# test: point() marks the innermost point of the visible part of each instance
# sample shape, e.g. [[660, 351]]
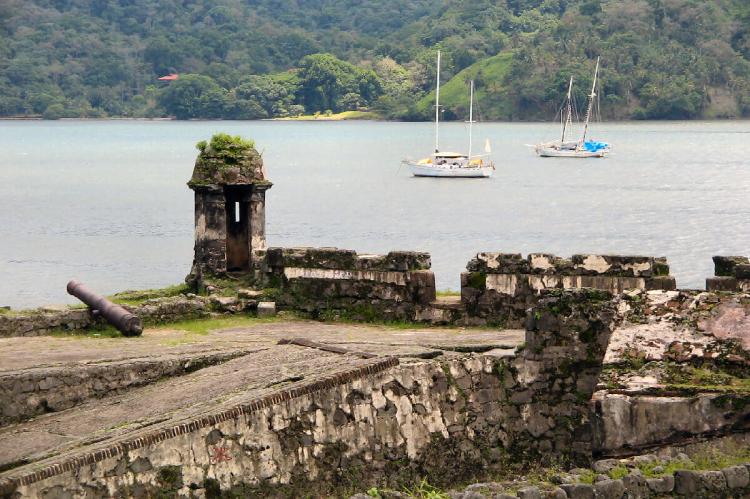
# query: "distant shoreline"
[[339, 118]]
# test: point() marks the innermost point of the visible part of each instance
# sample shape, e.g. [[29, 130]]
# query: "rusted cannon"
[[127, 323]]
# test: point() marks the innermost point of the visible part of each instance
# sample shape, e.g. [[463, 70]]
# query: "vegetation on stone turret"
[[225, 160], [261, 59]]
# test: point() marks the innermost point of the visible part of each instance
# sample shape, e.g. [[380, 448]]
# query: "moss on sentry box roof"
[[227, 160]]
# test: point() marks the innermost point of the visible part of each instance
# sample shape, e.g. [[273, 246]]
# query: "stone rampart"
[[382, 423], [731, 273], [498, 288], [333, 281]]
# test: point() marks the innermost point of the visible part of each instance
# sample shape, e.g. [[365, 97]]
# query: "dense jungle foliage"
[[249, 59]]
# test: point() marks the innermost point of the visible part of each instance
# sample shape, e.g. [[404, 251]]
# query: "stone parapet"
[[343, 259], [577, 265], [331, 281], [498, 287], [731, 273]]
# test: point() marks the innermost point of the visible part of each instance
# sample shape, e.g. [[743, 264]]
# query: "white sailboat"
[[580, 148], [452, 164]]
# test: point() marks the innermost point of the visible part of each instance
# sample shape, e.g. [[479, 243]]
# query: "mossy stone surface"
[[227, 160]]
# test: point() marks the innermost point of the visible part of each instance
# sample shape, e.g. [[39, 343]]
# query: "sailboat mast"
[[591, 103], [568, 111], [471, 114], [437, 104]]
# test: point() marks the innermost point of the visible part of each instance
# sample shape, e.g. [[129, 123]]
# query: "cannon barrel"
[[127, 323]]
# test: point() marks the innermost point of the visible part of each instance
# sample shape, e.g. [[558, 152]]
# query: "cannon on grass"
[[125, 322]]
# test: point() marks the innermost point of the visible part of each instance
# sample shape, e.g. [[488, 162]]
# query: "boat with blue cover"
[[581, 148]]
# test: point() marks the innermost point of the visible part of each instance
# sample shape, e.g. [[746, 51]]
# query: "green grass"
[[136, 298], [97, 333], [204, 326], [448, 292], [688, 377], [706, 460], [488, 75], [424, 490]]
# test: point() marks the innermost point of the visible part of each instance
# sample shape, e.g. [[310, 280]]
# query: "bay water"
[[106, 202]]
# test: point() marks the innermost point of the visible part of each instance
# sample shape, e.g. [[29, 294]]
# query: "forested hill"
[[247, 59]]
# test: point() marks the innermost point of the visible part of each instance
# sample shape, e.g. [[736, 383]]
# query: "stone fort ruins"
[[323, 407]]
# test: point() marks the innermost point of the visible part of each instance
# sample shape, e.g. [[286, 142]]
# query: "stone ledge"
[[31, 392], [577, 265], [343, 259], [37, 472]]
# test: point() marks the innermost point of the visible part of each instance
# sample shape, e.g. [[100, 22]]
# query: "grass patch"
[[448, 292], [488, 75], [102, 332], [136, 298], [689, 377], [424, 490], [204, 326]]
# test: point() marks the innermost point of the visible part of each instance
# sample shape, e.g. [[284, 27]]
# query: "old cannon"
[[127, 323]]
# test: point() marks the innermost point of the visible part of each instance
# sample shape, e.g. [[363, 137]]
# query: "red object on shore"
[[172, 77]]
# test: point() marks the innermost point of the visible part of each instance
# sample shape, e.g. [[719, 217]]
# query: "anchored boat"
[[575, 149], [452, 164]]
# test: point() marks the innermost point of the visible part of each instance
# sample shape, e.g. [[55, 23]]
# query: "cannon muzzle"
[[125, 322]]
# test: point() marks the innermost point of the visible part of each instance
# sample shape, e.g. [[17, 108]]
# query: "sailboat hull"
[[429, 170], [569, 153]]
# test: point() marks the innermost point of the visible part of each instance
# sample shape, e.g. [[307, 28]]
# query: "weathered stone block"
[[724, 265], [737, 477], [579, 490], [742, 271], [687, 483], [615, 265], [407, 260], [663, 283], [249, 294], [721, 284], [266, 309], [499, 263], [635, 484], [556, 493], [421, 284], [605, 465], [543, 263], [529, 493], [713, 481], [609, 489], [661, 485]]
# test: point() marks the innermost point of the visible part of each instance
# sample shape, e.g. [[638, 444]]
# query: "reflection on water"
[[106, 202]]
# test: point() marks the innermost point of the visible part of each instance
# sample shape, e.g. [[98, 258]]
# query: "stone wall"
[[29, 393], [626, 424], [383, 423], [731, 273], [47, 320], [498, 288], [333, 282]]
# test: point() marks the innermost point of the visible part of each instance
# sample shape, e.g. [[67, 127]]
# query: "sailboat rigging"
[[581, 148], [452, 164]]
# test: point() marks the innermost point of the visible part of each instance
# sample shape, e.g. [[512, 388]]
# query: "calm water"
[[106, 202]]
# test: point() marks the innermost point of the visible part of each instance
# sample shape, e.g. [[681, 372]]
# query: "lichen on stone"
[[227, 160]]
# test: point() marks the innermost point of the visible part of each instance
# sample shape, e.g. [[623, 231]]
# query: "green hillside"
[[490, 103], [249, 59]]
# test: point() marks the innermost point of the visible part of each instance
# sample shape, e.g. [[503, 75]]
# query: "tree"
[[194, 96], [325, 80]]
